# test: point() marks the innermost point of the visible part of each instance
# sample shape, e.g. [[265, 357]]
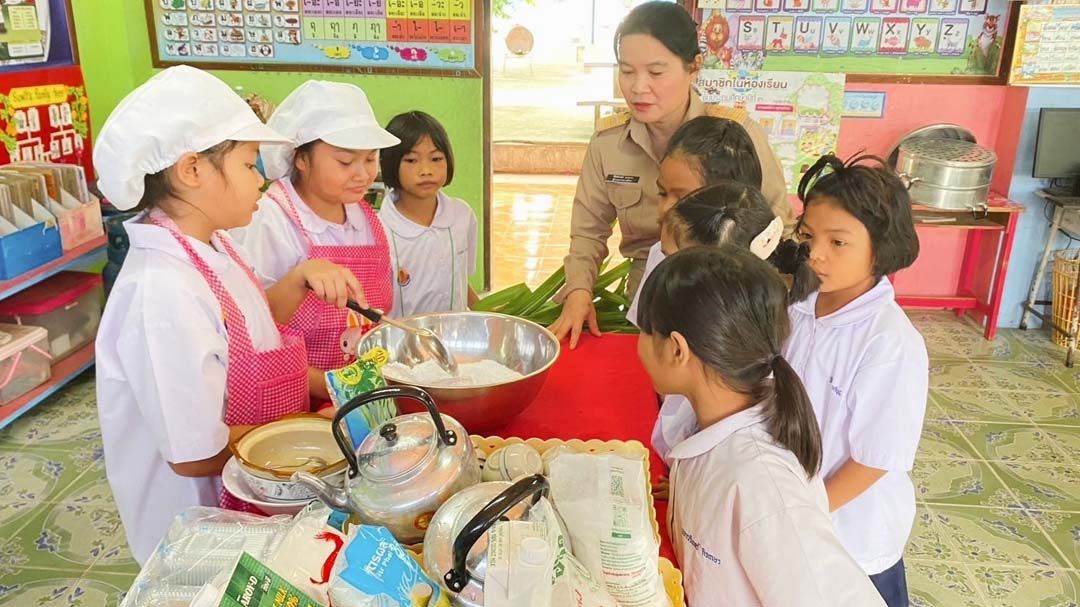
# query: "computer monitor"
[[1057, 146]]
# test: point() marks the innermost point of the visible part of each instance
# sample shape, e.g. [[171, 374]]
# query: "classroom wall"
[[114, 48], [1033, 224]]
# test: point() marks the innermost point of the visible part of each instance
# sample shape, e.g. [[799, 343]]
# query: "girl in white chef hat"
[[188, 353], [315, 210]]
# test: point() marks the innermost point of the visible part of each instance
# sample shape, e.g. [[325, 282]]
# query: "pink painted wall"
[[988, 111]]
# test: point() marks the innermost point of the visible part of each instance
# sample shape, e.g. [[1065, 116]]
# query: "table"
[[598, 391], [1065, 208], [984, 258]]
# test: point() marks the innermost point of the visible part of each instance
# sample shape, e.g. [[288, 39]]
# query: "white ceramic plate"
[[232, 477]]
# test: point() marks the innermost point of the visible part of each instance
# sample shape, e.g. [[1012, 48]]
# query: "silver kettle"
[[403, 470]]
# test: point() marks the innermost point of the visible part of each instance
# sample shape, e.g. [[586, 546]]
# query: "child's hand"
[[660, 489], [332, 283]]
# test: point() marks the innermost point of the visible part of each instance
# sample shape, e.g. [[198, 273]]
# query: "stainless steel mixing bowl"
[[521, 345]]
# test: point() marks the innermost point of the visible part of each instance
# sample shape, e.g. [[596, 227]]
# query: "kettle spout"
[[336, 498]]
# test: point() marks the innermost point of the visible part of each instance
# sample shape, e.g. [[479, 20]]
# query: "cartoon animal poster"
[[778, 34], [903, 37], [837, 36], [924, 34], [894, 35]]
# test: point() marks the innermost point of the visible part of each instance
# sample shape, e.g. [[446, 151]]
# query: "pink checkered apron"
[[260, 386], [320, 323]]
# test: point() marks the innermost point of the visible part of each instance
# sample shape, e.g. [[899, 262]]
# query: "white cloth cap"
[[180, 110], [334, 112]]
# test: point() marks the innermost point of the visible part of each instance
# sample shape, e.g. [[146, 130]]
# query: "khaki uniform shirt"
[[618, 182]]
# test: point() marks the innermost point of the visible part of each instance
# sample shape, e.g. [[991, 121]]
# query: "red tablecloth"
[[600, 390]]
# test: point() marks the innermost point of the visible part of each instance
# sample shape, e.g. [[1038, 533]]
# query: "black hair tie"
[[802, 254]]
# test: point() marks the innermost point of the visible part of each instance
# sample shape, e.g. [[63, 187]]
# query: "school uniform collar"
[[313, 224], [706, 439], [407, 228], [863, 307], [639, 133], [152, 237]]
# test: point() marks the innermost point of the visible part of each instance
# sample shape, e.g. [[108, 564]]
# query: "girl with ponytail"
[[864, 365], [727, 212], [748, 514]]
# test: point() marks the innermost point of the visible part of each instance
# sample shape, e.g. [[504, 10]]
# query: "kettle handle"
[[446, 437], [535, 485]]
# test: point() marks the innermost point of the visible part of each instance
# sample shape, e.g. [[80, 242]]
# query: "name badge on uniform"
[[612, 178]]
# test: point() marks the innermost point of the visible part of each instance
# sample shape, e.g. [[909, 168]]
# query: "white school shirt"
[[431, 264], [656, 255], [676, 420], [748, 527], [866, 370], [161, 357], [675, 423], [274, 244]]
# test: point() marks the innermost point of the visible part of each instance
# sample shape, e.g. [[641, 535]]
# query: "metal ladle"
[[427, 338]]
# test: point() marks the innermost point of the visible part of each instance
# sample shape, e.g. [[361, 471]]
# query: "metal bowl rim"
[[543, 331]]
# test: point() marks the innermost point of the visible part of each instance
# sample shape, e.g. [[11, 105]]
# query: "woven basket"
[[1065, 273]]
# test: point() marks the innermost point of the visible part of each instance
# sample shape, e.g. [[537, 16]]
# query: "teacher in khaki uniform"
[[659, 59]]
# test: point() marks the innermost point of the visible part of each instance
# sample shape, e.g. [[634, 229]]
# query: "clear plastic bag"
[[604, 500], [201, 544]]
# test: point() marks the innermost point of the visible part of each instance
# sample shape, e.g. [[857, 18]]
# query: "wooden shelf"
[[80, 255], [63, 372]]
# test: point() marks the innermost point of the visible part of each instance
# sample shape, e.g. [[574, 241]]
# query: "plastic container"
[[68, 305], [25, 362]]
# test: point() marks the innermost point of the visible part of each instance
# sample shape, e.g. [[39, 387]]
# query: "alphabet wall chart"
[[901, 37], [357, 35]]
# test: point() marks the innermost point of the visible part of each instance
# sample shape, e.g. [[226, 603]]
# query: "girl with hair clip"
[[748, 515], [864, 365], [724, 213], [703, 151]]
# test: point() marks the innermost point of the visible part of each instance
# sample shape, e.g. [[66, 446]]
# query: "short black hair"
[[668, 22], [869, 190], [410, 128], [721, 148]]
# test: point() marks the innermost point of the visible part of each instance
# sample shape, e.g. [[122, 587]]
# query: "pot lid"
[[931, 131], [398, 447], [951, 152]]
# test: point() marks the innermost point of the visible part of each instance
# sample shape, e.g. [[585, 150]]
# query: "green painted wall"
[[114, 49]]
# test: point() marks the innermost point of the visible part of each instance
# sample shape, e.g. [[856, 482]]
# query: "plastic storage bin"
[[68, 305], [24, 360]]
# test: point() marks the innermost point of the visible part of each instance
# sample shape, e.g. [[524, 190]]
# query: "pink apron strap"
[[279, 193], [235, 324]]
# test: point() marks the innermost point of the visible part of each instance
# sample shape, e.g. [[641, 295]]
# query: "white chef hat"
[[178, 111], [334, 112]]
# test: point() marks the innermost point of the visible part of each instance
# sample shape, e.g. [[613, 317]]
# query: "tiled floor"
[[998, 476], [530, 227]]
